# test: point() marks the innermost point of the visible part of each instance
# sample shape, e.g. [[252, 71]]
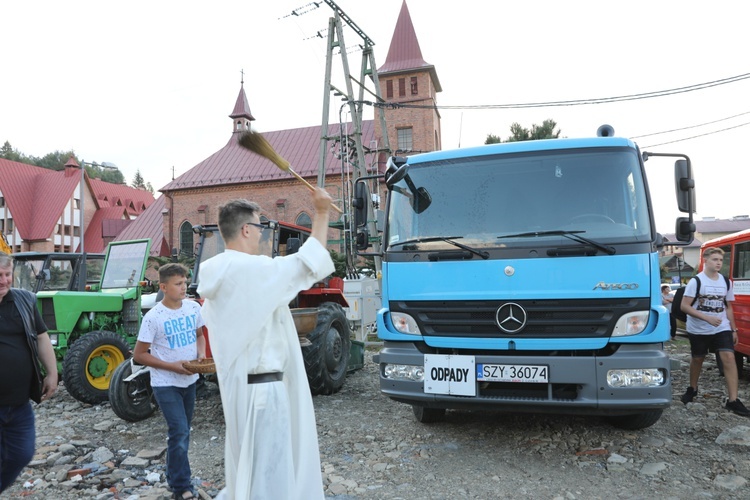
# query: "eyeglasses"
[[259, 226]]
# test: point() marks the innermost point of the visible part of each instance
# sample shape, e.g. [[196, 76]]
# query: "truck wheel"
[[739, 359], [89, 364], [636, 421], [328, 356], [133, 400], [428, 415]]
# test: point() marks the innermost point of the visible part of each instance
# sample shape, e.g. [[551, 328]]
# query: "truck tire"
[[90, 363], [326, 360], [426, 415], [133, 400], [739, 360], [636, 421]]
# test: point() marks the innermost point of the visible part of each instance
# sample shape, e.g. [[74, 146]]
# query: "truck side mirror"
[[684, 229], [359, 202], [292, 245], [363, 239], [684, 186]]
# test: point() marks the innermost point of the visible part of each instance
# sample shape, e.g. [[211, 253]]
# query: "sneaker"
[[737, 407], [689, 395]]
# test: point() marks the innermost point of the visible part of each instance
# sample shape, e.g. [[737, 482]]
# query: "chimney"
[[72, 167]]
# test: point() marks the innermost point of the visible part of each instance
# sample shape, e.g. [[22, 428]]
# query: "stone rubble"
[[372, 447]]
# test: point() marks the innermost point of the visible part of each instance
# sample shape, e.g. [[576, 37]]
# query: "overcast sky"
[[148, 85]]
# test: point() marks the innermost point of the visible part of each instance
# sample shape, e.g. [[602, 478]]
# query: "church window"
[[405, 139], [186, 239], [303, 220], [414, 90], [402, 87], [389, 89]]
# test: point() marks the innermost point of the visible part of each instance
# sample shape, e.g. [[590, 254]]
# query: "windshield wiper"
[[447, 239], [571, 235]]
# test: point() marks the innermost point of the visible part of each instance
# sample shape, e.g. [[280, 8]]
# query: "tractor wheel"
[[89, 364], [327, 358], [132, 400]]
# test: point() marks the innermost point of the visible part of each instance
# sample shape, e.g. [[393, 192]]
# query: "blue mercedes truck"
[[524, 277]]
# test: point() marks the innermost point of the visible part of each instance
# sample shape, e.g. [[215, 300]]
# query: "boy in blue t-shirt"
[[171, 334]]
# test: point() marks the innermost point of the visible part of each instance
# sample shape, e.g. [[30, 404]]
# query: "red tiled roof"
[[100, 228], [149, 224], [131, 199], [404, 54], [234, 164], [36, 197]]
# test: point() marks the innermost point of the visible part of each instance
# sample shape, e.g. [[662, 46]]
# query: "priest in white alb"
[[271, 449]]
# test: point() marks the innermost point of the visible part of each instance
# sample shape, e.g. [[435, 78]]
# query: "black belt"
[[262, 378]]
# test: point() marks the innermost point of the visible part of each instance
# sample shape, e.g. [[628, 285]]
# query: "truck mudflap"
[[592, 385]]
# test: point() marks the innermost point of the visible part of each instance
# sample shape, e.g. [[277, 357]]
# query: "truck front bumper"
[[576, 384]]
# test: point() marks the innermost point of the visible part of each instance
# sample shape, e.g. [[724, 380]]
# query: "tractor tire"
[[90, 363], [133, 400], [326, 360]]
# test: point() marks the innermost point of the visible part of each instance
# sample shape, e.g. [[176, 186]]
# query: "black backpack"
[[677, 311]]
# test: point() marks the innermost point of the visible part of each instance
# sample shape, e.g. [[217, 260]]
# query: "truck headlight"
[[631, 323], [404, 372], [635, 378], [404, 323]]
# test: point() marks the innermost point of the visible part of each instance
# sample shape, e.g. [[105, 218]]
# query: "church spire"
[[241, 116], [404, 54]]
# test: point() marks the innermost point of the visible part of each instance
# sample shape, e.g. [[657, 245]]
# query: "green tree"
[[11, 154], [544, 131], [57, 161], [54, 161], [493, 139], [138, 180]]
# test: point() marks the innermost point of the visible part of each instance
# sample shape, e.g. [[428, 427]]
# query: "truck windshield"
[[492, 201]]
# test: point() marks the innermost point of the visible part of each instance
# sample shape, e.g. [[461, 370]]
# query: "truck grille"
[[544, 318]]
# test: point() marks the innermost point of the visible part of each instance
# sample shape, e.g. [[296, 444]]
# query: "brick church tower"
[[406, 78]]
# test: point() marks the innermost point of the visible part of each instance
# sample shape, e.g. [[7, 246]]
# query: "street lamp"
[[679, 269]]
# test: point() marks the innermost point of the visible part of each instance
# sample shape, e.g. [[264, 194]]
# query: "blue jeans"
[[177, 404], [17, 437]]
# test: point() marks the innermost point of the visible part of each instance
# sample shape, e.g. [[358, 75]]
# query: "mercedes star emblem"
[[510, 317]]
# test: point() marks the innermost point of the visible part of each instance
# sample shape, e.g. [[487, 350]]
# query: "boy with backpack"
[[710, 324]]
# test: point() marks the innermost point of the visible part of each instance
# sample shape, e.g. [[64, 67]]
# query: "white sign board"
[[449, 374]]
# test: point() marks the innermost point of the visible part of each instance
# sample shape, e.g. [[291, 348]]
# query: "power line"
[[696, 136], [691, 126], [581, 102]]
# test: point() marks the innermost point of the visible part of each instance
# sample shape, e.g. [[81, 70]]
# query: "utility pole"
[[356, 156]]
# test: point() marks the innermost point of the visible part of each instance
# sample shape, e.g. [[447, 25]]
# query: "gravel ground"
[[372, 447]]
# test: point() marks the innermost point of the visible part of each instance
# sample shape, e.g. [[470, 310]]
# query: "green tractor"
[[93, 332]]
